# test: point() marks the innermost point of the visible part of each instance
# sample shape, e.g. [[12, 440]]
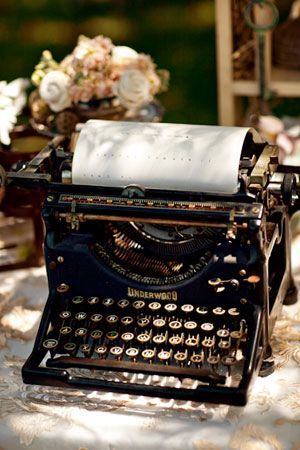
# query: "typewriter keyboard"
[[201, 342]]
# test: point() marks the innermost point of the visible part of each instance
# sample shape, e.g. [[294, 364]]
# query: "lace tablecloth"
[[40, 417]]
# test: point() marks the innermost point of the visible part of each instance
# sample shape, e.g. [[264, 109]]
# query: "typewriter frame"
[[246, 209]]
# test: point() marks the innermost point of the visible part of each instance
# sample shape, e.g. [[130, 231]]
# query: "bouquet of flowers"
[[96, 72]]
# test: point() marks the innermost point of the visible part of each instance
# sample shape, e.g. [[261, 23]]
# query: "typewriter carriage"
[[148, 245]]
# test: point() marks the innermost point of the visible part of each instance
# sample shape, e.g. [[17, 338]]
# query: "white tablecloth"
[[40, 417]]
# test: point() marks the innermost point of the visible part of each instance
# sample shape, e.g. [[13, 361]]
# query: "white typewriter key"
[[180, 356], [213, 360], [101, 350], [143, 337], [96, 334], [197, 358], [127, 337], [116, 351], [159, 323], [237, 334], [228, 361], [224, 345], [80, 316], [175, 324], [138, 304], [132, 352], [81, 332], [208, 342], [77, 300], [187, 308], [192, 342], [112, 335], [108, 302], [96, 318], [127, 320], [143, 322], [50, 344], [148, 354], [65, 330], [207, 326], [154, 306], [233, 312], [202, 310], [190, 325], [93, 300], [223, 333], [112, 319], [159, 339], [176, 340], [170, 307], [164, 355], [219, 311], [123, 303], [85, 349], [65, 314]]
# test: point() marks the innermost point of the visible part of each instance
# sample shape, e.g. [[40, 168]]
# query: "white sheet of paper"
[[178, 157]]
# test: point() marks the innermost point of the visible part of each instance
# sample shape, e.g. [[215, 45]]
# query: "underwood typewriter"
[[168, 259]]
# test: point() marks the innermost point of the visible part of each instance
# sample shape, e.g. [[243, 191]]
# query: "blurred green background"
[[178, 34]]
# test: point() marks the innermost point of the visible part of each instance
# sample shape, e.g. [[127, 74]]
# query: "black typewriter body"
[[160, 293]]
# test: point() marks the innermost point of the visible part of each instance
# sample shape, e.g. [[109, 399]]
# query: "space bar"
[[204, 375]]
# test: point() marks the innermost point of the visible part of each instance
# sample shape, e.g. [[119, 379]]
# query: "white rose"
[[54, 90], [122, 55], [133, 89]]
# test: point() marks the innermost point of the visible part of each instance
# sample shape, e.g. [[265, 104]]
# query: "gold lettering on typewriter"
[[138, 293]]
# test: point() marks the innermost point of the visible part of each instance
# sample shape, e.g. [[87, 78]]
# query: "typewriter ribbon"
[[167, 254]]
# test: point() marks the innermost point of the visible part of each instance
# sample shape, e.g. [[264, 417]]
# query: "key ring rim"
[[261, 28]]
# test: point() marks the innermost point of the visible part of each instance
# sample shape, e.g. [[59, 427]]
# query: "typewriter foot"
[[291, 296], [268, 364]]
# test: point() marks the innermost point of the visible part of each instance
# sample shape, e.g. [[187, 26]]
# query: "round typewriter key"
[[214, 281], [65, 314], [197, 358], [93, 300], [77, 300], [159, 323], [213, 360], [138, 304], [143, 322], [96, 334], [164, 355], [116, 351], [207, 326], [190, 325], [154, 306], [224, 345], [202, 310], [180, 356], [127, 337], [159, 339], [85, 349], [175, 340], [132, 352], [234, 312], [228, 361], [187, 308], [175, 324], [223, 333], [112, 319], [127, 320], [108, 302], [192, 342], [81, 332], [148, 353], [143, 337], [237, 334], [70, 347], [208, 342], [80, 316], [50, 344], [96, 318], [219, 311], [101, 350], [123, 303], [170, 307], [65, 330], [112, 335]]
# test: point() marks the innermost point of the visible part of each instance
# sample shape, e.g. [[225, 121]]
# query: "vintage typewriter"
[[168, 259]]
